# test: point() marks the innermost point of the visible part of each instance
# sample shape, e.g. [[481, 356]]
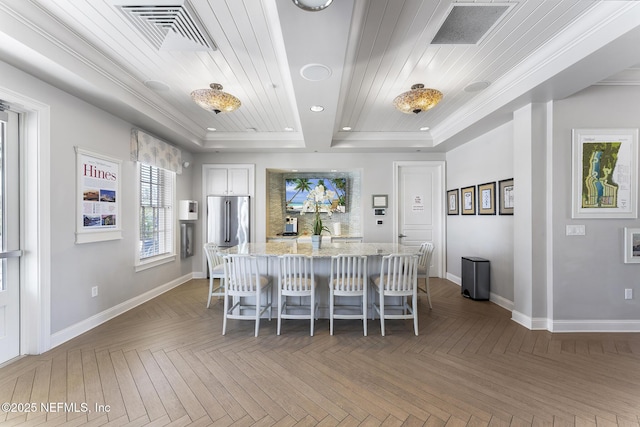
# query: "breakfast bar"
[[268, 253], [327, 250]]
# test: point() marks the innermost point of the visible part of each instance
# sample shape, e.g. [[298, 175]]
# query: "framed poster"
[[98, 197], [452, 202], [505, 196], [468, 200], [604, 172], [487, 199], [631, 245]]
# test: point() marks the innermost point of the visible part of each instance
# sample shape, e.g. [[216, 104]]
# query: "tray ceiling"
[[140, 60]]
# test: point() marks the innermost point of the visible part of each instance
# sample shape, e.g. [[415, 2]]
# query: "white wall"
[[589, 275], [109, 265], [488, 158]]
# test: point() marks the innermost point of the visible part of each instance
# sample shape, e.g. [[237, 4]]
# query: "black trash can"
[[475, 278]]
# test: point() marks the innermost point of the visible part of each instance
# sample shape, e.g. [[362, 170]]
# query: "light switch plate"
[[575, 230]]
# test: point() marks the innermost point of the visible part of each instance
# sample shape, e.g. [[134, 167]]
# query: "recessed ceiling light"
[[288, 129], [317, 108], [294, 170], [425, 128], [346, 128], [334, 170], [212, 129], [476, 86]]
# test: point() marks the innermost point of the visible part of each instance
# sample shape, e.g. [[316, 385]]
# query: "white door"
[[9, 238], [419, 207]]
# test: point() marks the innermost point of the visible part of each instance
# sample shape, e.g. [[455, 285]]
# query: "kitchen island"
[[268, 253], [275, 249]]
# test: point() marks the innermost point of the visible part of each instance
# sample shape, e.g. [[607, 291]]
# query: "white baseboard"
[[494, 298], [455, 279], [559, 326], [544, 324], [502, 302], [93, 321], [595, 326], [532, 323], [199, 274]]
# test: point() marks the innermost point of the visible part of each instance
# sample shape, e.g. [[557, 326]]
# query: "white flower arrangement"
[[318, 199]]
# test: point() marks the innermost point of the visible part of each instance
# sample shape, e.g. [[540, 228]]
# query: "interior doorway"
[[29, 126], [9, 236], [419, 208]]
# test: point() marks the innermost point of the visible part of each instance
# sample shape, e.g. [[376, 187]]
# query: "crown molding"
[[602, 25]]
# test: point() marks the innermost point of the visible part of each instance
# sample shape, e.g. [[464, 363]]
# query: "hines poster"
[[99, 197]]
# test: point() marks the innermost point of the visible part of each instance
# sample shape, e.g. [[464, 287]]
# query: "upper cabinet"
[[229, 180]]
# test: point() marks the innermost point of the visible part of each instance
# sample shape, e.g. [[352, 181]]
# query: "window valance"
[[154, 152]]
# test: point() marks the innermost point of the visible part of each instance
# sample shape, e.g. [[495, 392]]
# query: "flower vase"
[[316, 240]]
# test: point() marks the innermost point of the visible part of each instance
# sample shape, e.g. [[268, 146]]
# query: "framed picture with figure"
[[468, 200], [505, 195], [487, 199], [452, 202]]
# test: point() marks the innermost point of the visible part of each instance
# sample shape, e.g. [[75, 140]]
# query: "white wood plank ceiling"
[[373, 51]]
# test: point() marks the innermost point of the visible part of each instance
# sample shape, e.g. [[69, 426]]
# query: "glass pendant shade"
[[215, 99], [417, 99], [312, 5]]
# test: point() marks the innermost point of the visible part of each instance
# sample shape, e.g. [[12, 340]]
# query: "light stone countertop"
[[274, 249]]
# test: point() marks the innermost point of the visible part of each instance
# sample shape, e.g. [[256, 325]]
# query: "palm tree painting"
[[297, 190], [339, 185], [296, 193]]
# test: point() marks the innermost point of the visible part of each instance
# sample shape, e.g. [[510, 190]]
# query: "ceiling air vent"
[[469, 23], [169, 27]]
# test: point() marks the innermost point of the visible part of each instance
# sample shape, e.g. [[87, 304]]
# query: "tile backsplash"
[[276, 213]]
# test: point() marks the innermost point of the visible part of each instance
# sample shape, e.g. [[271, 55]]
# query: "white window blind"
[[156, 211]]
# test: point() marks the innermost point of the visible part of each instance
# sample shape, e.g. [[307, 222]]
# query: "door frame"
[[35, 224], [439, 193]]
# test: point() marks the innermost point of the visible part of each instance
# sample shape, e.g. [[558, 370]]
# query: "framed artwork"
[[379, 201], [604, 173], [468, 200], [632, 245], [505, 196], [452, 202], [487, 199], [98, 197]]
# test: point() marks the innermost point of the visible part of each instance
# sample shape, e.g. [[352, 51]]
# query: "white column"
[[530, 219]]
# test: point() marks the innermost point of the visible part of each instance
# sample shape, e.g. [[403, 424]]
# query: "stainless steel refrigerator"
[[228, 220]]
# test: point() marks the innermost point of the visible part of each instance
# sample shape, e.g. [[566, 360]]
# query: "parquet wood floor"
[[166, 363]]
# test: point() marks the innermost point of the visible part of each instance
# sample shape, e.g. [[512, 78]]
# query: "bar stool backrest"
[[399, 273]]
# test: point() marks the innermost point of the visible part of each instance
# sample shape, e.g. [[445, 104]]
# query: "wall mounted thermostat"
[[379, 211]]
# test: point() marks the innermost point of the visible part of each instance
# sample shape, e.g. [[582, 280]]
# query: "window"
[[156, 213]]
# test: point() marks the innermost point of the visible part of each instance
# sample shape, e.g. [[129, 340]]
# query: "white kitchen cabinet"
[[229, 180]]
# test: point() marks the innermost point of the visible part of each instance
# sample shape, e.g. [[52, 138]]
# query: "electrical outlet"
[[575, 230], [94, 292], [628, 294]]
